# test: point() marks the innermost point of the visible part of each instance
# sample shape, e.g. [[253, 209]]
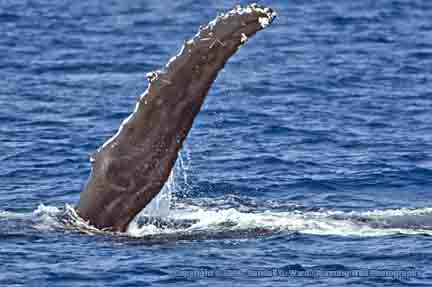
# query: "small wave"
[[337, 223], [190, 221]]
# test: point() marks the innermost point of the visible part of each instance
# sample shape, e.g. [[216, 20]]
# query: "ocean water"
[[310, 163]]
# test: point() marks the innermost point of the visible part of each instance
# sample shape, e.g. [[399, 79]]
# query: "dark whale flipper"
[[130, 169]]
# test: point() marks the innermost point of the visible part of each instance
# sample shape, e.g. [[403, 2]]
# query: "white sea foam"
[[317, 223], [229, 220], [163, 217], [203, 219]]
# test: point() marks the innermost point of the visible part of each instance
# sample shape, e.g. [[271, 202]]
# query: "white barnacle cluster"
[[242, 10], [270, 15], [264, 21], [204, 34], [243, 38], [158, 75], [152, 76]]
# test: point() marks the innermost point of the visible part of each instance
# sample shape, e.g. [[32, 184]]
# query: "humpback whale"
[[131, 168]]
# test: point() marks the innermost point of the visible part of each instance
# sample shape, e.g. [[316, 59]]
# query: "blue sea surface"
[[310, 163]]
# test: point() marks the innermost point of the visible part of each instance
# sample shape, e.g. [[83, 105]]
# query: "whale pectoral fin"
[[130, 169]]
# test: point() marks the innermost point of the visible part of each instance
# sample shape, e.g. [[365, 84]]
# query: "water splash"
[[168, 216], [177, 183], [194, 221], [338, 223]]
